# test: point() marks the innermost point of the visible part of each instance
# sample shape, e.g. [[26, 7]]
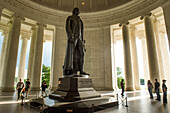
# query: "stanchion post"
[[126, 103], [92, 108]]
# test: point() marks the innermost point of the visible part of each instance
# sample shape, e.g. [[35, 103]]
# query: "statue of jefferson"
[[74, 58]]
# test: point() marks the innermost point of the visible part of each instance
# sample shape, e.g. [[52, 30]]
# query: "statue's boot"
[[83, 73]]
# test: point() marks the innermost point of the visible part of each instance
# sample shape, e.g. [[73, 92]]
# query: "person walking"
[[44, 86], [157, 91], [150, 86], [123, 87], [20, 86], [164, 89], [27, 86]]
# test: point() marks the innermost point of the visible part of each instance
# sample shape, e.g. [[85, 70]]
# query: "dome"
[[84, 5]]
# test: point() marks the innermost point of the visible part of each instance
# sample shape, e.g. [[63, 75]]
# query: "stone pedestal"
[[74, 88]]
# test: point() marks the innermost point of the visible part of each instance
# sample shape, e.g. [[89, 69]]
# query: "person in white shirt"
[[20, 86]]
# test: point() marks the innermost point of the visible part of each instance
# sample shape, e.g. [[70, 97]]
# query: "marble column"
[[11, 54], [166, 11], [58, 55], [31, 53], [3, 50], [134, 58], [37, 60], [129, 82], [159, 53], [55, 57], [151, 47], [145, 61], [165, 57], [22, 62], [113, 42], [107, 58]]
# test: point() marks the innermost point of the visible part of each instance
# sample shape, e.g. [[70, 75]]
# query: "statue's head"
[[76, 11]]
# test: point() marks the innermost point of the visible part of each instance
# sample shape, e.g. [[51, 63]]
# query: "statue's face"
[[76, 11]]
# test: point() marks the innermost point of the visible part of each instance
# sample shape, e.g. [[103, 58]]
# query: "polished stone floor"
[[138, 102]]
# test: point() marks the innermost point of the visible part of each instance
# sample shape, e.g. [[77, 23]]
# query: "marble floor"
[[138, 102]]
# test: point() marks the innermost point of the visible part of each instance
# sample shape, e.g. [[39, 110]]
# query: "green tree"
[[46, 74], [119, 78], [119, 71]]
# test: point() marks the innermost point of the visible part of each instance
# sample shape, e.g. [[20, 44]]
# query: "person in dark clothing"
[[20, 86], [164, 89], [123, 87], [44, 86], [150, 86], [157, 85], [27, 86]]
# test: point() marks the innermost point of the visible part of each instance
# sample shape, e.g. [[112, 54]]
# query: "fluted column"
[[11, 54], [107, 58], [134, 58], [151, 47], [166, 11], [113, 42], [31, 53], [145, 61], [22, 62], [54, 60], [37, 60], [129, 85], [159, 53], [58, 55], [3, 50]]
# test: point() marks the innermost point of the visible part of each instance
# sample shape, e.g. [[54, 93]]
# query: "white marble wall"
[[97, 63]]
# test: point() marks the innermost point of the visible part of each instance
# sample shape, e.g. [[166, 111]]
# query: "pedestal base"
[[74, 88], [81, 106]]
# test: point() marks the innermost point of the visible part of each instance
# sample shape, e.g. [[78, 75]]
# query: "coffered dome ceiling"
[[84, 5]]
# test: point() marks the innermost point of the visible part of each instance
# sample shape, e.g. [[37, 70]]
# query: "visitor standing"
[[27, 86], [164, 88], [44, 86], [123, 87], [150, 86], [20, 86], [157, 85]]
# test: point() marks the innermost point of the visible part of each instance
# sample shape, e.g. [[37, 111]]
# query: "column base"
[[35, 89], [7, 89], [138, 88], [129, 89]]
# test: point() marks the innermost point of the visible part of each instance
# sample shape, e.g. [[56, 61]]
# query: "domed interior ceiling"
[[84, 5]]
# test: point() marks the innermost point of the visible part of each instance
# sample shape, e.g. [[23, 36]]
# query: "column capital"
[[147, 14], [18, 16], [4, 32], [123, 23], [41, 24], [33, 27], [140, 34], [133, 27], [25, 35]]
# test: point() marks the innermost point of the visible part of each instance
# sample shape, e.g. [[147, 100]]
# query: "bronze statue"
[[74, 58]]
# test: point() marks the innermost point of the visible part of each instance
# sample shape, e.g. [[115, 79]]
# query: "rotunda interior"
[[131, 34]]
